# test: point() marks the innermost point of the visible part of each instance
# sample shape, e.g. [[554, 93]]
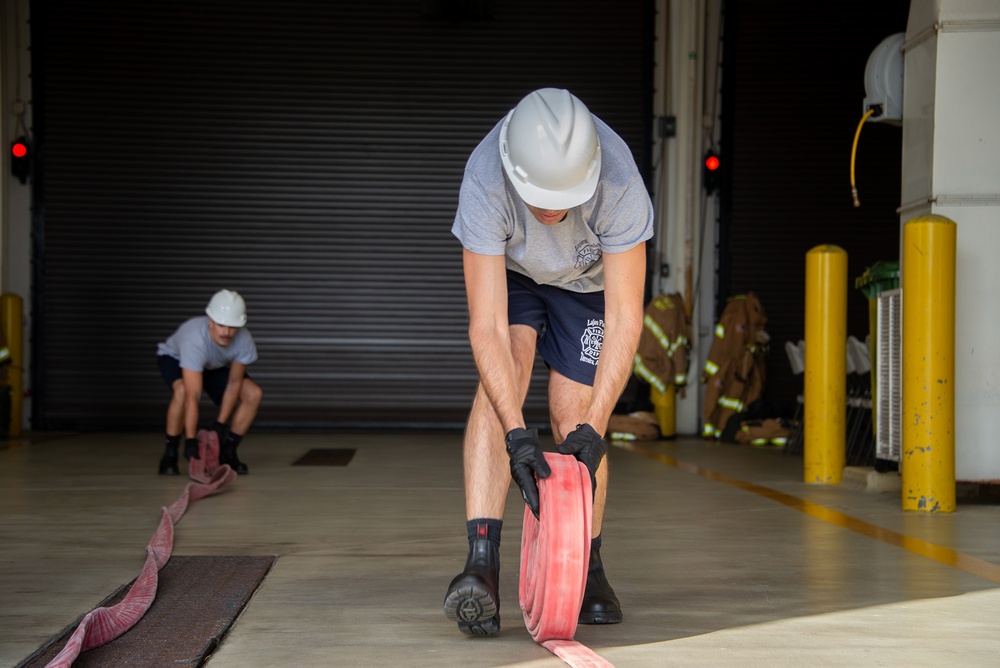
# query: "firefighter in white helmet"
[[553, 217], [210, 354]]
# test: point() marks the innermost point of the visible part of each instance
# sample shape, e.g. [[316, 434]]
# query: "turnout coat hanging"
[[734, 372], [662, 356]]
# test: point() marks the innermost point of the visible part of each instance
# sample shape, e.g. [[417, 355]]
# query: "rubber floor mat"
[[197, 600], [326, 457]]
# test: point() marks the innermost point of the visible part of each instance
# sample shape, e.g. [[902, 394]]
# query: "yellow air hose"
[[854, 152]]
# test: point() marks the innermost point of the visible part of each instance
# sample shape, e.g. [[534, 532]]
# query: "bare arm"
[[237, 372], [624, 279], [489, 334], [193, 383]]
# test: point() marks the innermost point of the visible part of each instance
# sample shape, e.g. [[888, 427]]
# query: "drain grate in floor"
[[326, 457]]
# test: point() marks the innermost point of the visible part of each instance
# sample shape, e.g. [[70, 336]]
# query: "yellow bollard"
[[928, 458], [825, 410], [664, 404], [12, 323]]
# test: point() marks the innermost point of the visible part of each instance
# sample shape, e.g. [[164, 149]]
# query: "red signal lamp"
[[711, 173], [20, 159]]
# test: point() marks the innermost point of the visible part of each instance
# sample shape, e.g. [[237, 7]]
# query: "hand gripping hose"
[[206, 466], [555, 555], [103, 625]]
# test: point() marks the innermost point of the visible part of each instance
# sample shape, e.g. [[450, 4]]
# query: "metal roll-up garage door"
[[307, 154]]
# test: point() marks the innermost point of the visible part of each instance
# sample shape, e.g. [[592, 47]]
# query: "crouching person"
[[210, 353]]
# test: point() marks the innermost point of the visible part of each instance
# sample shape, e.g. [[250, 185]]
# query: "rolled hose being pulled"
[[555, 555]]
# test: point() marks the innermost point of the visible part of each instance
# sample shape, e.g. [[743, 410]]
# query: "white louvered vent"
[[889, 432]]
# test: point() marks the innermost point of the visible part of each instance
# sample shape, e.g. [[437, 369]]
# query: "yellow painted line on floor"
[[939, 553]]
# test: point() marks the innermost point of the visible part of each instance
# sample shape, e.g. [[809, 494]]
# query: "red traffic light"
[[20, 159], [711, 173]]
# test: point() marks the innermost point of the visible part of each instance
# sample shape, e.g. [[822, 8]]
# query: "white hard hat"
[[227, 308], [550, 150]]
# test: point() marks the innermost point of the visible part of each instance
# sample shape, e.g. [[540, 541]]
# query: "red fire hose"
[[103, 625], [555, 555]]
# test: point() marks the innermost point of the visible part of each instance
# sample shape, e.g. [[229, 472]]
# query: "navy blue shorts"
[[570, 325], [213, 381]]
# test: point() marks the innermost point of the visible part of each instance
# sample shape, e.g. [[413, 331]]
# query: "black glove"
[[588, 447], [221, 429], [191, 449], [527, 461]]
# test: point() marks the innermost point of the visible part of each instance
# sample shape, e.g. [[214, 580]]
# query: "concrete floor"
[[720, 554]]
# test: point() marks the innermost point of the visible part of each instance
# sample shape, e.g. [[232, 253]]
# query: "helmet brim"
[[556, 200], [239, 323]]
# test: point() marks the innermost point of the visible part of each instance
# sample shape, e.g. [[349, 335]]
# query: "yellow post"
[[664, 407], [12, 323], [928, 458], [825, 410]]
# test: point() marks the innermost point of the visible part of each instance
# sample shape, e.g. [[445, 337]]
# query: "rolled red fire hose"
[[555, 555]]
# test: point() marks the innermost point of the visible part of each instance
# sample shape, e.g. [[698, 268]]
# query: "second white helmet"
[[550, 150], [227, 308]]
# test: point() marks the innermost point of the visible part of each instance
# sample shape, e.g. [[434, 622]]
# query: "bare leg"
[[175, 411], [568, 403], [175, 429], [246, 410], [487, 467], [473, 599]]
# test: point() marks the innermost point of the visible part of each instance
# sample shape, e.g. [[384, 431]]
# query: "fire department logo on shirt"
[[591, 342], [587, 254]]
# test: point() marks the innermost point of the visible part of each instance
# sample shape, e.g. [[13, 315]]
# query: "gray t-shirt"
[[194, 349], [493, 220]]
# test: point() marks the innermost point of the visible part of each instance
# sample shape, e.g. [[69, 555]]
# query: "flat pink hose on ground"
[[103, 625], [555, 555]]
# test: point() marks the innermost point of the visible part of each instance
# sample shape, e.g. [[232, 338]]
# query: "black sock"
[[233, 440], [485, 528], [595, 543], [172, 443]]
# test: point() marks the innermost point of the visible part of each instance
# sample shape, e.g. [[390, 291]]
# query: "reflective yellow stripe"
[[681, 341], [720, 331], [731, 402], [711, 368], [643, 372], [622, 436], [711, 430], [657, 332]]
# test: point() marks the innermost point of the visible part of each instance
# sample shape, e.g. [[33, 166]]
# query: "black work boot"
[[168, 463], [227, 455], [600, 605], [472, 599], [191, 449]]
